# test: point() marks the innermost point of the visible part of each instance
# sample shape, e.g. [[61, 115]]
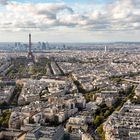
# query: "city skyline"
[[70, 20], [70, 69]]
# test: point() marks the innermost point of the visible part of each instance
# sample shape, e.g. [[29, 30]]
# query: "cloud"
[[116, 16], [4, 2]]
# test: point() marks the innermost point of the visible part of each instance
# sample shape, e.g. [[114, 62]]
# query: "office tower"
[[105, 49]]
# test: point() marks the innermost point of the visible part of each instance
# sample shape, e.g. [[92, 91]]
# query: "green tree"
[[107, 113], [98, 120], [100, 131], [4, 118]]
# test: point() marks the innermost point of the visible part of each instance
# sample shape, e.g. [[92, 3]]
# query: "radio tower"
[[30, 54]]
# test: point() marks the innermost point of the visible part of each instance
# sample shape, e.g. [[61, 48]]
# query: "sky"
[[70, 20]]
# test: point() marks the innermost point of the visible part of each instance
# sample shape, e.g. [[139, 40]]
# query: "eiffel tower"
[[30, 54]]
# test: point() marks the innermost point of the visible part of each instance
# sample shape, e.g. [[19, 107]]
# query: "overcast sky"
[[70, 20]]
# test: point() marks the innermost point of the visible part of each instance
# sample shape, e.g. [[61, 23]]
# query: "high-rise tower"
[[30, 54], [105, 49]]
